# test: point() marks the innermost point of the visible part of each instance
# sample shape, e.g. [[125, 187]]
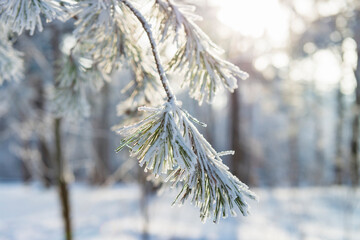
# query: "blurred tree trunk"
[[338, 168], [294, 171], [354, 164], [61, 180], [59, 162], [26, 173], [47, 170], [318, 137], [293, 113], [238, 163], [24, 162], [210, 129], [294, 120], [293, 117], [240, 119], [144, 201], [101, 140]]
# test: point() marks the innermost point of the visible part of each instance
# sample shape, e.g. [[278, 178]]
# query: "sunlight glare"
[[327, 71], [255, 18], [67, 44]]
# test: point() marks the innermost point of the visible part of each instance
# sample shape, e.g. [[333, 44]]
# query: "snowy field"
[[32, 213]]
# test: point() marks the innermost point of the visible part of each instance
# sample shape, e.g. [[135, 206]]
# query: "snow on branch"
[[106, 34], [213, 188], [157, 141], [22, 15], [77, 74], [205, 70], [168, 144], [99, 32]]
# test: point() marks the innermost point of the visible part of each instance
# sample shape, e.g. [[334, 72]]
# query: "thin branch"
[[159, 66]]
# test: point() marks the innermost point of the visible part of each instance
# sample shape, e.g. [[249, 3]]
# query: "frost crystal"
[[157, 141], [168, 144], [99, 32], [212, 187], [22, 15]]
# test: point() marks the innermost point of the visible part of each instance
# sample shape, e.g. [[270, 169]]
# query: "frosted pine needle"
[[22, 15], [212, 187], [99, 32], [205, 71], [69, 96], [157, 141], [168, 144], [94, 14]]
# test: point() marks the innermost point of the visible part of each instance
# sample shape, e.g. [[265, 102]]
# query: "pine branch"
[[144, 86], [205, 70], [157, 141], [159, 66], [213, 188], [105, 35], [169, 145], [99, 33], [69, 97], [22, 15]]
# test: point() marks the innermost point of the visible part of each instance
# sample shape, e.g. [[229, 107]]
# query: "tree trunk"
[[47, 170], [26, 172], [210, 129], [145, 192], [238, 164], [59, 162], [318, 138], [354, 148], [39, 103], [294, 165], [338, 168], [101, 140], [61, 180]]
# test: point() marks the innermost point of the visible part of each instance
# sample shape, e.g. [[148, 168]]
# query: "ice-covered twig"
[[159, 66]]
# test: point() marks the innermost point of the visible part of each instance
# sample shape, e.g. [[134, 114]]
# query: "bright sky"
[[269, 20], [255, 18]]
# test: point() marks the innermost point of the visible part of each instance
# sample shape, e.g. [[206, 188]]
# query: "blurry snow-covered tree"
[[108, 35], [11, 64]]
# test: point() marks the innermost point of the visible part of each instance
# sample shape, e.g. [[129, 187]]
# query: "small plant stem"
[[159, 66]]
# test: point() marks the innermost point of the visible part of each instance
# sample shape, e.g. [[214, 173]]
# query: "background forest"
[[294, 126]]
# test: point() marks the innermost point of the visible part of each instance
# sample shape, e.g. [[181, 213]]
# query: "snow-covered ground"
[[32, 213]]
